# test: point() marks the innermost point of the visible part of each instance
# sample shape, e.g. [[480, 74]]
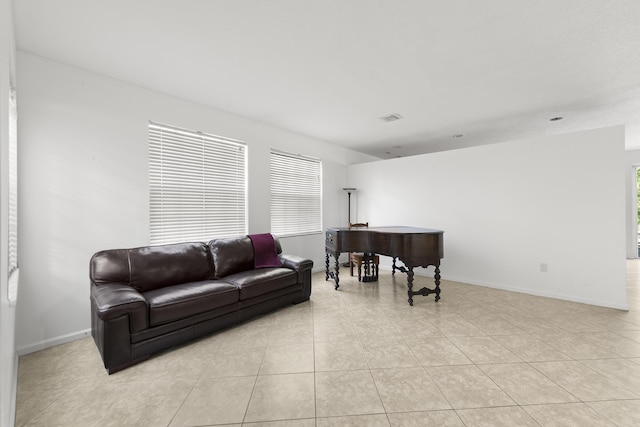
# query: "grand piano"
[[415, 247]]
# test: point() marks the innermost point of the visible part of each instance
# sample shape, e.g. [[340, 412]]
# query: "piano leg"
[[326, 263], [410, 285], [331, 274], [424, 291], [436, 276], [400, 268]]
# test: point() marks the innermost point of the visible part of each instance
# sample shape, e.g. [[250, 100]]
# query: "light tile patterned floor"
[[362, 356]]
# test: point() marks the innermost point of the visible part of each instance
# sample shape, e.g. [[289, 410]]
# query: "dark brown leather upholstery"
[[254, 283], [110, 266], [155, 267], [231, 255], [148, 299], [184, 300], [119, 299]]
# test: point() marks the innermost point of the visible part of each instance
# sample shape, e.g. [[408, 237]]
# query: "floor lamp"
[[349, 190]]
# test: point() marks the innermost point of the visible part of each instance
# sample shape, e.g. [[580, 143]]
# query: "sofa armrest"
[[112, 300], [302, 267], [296, 263]]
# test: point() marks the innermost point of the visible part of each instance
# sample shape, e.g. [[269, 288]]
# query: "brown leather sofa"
[[147, 299]]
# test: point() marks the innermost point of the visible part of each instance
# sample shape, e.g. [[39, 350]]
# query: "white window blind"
[[12, 289], [197, 184], [296, 194]]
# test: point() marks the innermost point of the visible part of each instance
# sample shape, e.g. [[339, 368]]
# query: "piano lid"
[[397, 229]]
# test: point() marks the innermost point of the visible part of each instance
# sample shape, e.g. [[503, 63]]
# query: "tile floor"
[[363, 357]]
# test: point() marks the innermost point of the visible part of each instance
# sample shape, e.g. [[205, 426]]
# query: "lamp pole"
[[349, 190]]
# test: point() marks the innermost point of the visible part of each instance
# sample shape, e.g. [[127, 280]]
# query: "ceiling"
[[491, 70]]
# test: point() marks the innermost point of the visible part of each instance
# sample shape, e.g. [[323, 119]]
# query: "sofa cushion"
[[234, 255], [259, 282], [110, 266], [231, 255], [154, 267], [187, 299]]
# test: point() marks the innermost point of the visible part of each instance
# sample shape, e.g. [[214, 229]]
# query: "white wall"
[[8, 356], [84, 184], [506, 208]]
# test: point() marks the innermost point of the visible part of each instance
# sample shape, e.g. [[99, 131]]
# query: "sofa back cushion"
[[154, 267], [234, 255], [231, 255], [110, 266]]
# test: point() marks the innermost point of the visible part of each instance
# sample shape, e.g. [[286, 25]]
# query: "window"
[[197, 185], [12, 289], [296, 194]]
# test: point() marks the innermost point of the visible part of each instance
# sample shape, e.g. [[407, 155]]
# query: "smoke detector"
[[391, 117]]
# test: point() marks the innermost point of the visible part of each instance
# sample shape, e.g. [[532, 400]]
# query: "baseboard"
[[563, 297], [52, 342], [14, 392], [599, 303], [428, 272]]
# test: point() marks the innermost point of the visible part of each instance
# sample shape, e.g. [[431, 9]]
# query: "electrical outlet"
[[544, 267]]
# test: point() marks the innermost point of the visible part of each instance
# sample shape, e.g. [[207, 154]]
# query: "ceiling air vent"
[[391, 117]]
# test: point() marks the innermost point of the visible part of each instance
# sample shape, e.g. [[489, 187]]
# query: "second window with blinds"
[[296, 194]]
